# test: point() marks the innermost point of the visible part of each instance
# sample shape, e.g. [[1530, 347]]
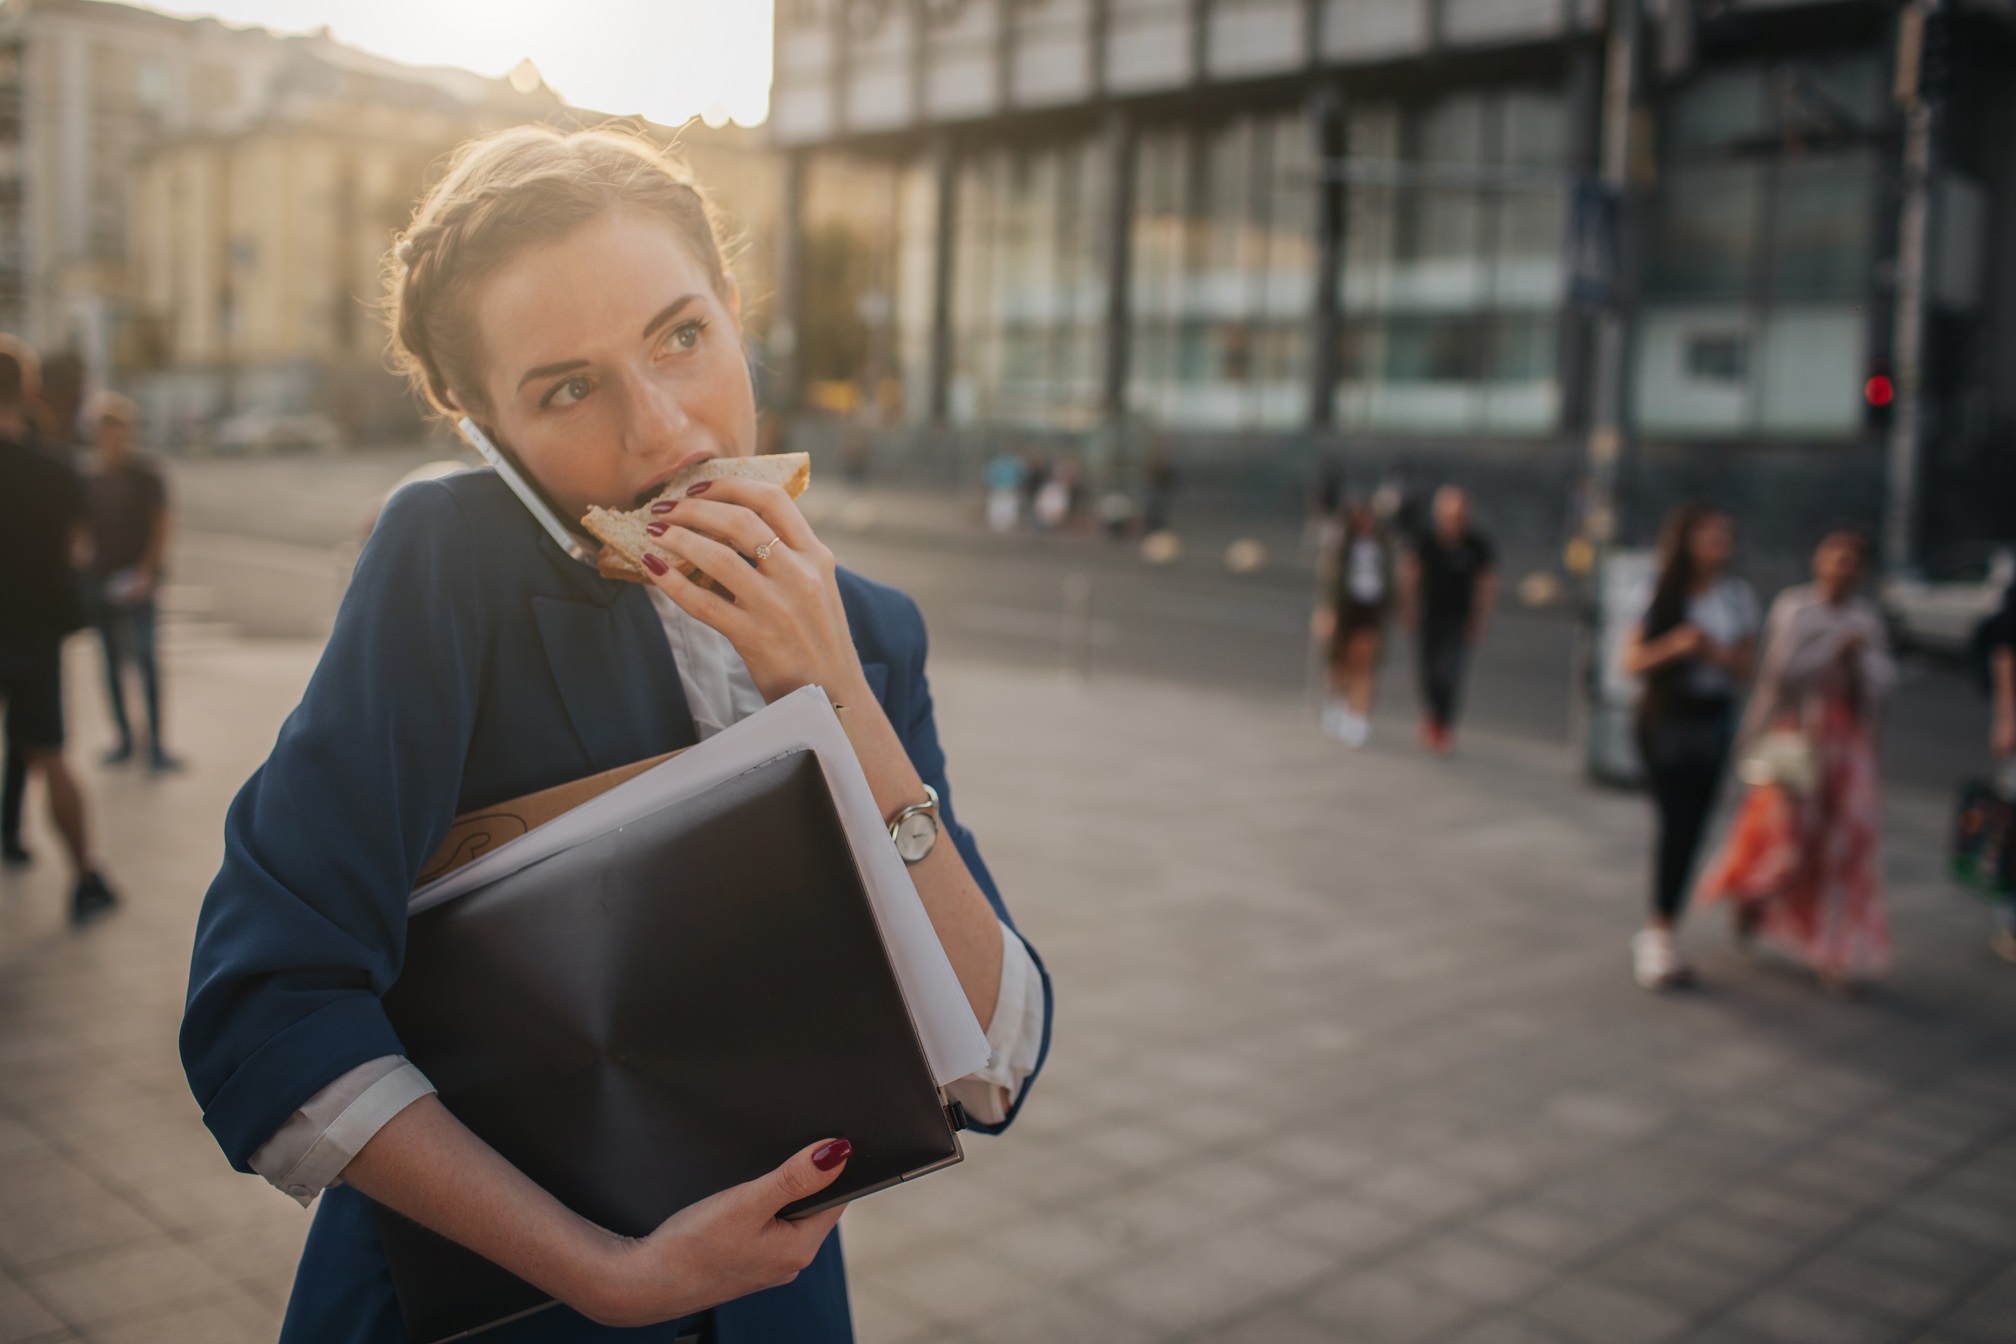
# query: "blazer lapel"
[[614, 670]]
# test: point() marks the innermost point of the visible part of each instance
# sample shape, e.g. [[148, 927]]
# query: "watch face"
[[915, 835]]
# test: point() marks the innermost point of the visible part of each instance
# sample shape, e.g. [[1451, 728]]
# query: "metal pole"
[[945, 173], [1329, 131], [1917, 59], [1119, 251], [1606, 421]]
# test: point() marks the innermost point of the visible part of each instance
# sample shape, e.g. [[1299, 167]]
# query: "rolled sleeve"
[[1014, 1037], [307, 1154], [304, 927]]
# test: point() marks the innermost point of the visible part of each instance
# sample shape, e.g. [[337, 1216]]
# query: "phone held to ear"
[[528, 494]]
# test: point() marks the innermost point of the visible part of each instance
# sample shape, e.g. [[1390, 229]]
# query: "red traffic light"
[[1879, 390]]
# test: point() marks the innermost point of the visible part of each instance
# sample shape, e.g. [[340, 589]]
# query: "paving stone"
[[1376, 1307], [22, 1317], [1789, 1317], [1597, 1313]]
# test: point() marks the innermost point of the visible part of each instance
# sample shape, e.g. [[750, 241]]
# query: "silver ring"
[[763, 551]]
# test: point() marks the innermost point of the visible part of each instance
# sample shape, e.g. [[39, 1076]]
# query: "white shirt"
[[1727, 614], [307, 1154]]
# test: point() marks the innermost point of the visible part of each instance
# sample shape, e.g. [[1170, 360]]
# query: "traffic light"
[[1879, 394]]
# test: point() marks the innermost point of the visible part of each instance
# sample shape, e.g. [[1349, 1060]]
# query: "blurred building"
[[1587, 255], [202, 210]]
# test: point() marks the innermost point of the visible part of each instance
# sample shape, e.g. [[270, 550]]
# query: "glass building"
[[1267, 234]]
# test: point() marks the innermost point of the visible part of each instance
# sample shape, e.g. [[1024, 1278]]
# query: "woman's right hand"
[[724, 1247]]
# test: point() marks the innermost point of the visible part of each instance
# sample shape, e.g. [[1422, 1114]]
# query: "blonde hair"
[[502, 194]]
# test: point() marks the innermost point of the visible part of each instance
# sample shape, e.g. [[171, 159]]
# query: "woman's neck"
[[1704, 580]]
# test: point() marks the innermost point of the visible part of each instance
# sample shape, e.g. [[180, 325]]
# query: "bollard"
[[1075, 629]]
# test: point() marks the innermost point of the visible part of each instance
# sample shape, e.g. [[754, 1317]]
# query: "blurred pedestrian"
[[56, 412], [2001, 643], [128, 506], [1694, 650], [1802, 865], [1447, 588], [1159, 475], [1004, 492], [1358, 597], [1052, 505], [41, 517]]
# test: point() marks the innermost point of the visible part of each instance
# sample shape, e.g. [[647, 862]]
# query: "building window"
[[1029, 286], [1760, 241], [1452, 277], [1223, 268]]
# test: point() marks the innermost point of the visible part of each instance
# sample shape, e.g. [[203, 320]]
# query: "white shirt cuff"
[[1014, 1037], [307, 1154]]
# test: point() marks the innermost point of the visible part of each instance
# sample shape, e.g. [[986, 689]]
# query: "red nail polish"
[[654, 564], [656, 529], [665, 506], [830, 1155], [699, 487]]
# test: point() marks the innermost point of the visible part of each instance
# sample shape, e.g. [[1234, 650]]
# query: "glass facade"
[[1451, 285], [1029, 290], [1760, 239], [1222, 276]]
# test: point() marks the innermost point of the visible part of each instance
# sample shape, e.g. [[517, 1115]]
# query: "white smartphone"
[[528, 494]]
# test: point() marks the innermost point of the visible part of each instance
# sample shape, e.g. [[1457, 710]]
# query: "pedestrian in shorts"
[[41, 518]]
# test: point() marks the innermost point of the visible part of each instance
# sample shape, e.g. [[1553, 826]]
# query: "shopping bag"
[[1983, 853]]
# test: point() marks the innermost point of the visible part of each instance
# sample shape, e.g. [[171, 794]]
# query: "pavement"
[[1345, 1050]]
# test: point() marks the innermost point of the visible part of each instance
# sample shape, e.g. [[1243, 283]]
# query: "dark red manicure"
[[699, 488], [830, 1155], [654, 564], [665, 506], [656, 529]]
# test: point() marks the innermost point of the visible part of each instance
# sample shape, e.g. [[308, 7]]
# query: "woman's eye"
[[685, 336], [569, 392]]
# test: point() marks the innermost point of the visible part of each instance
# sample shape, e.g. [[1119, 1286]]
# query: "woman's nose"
[[656, 417]]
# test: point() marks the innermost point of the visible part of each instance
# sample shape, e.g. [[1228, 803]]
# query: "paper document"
[[953, 1042]]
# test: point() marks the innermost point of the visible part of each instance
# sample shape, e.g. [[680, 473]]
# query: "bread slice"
[[624, 540]]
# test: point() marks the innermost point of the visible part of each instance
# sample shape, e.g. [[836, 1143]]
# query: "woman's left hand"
[[785, 619]]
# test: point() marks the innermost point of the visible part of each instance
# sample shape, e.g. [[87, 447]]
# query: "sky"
[[669, 60]]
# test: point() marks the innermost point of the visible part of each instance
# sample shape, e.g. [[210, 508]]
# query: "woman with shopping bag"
[[1802, 866]]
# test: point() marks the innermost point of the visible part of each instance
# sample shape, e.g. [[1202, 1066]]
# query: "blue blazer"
[[471, 662]]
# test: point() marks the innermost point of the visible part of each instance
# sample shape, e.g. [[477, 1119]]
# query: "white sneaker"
[[1357, 729], [1334, 716], [1655, 962]]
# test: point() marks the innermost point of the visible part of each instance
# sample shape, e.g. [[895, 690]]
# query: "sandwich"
[[623, 536]]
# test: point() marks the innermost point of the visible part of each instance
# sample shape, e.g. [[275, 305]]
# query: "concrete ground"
[[1345, 1050]]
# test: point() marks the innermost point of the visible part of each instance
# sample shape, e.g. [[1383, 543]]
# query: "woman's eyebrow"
[[548, 370], [667, 313]]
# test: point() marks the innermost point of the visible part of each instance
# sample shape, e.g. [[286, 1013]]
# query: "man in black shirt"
[[1447, 587], [128, 505], [41, 511]]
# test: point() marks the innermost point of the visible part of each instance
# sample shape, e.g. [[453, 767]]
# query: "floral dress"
[[1809, 865]]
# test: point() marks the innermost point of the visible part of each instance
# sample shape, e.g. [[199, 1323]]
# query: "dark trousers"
[[1686, 749], [1445, 651], [14, 793], [127, 632]]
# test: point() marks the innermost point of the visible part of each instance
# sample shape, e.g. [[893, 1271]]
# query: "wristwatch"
[[915, 829]]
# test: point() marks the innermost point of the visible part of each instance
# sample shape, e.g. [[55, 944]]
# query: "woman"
[[1354, 622], [1693, 650], [570, 294], [1802, 865]]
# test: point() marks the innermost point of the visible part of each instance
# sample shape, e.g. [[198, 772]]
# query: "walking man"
[[1448, 585], [41, 514], [129, 537]]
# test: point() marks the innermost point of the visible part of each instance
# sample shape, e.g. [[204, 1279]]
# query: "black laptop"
[[657, 1014]]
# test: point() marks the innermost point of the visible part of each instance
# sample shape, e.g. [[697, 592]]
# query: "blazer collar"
[[615, 674], [582, 581]]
